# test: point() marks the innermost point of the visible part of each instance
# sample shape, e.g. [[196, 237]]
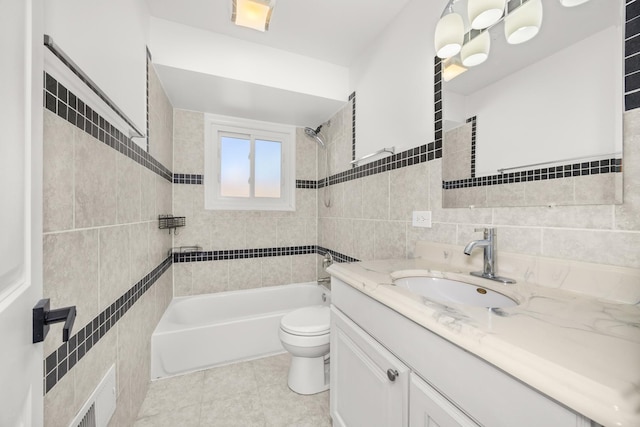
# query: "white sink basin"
[[446, 290]]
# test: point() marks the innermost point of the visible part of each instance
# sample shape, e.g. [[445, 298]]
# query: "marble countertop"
[[581, 351]]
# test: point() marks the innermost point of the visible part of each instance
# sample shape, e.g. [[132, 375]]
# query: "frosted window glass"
[[268, 170], [235, 168]]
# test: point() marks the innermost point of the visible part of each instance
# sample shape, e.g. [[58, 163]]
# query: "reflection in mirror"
[[539, 123]]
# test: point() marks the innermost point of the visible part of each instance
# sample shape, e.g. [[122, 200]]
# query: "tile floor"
[[246, 394]]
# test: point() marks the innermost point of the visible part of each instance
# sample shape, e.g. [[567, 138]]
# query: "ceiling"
[[335, 31], [332, 31]]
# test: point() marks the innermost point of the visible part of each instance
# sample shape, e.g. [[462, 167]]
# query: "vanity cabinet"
[[373, 388], [437, 382], [371, 385]]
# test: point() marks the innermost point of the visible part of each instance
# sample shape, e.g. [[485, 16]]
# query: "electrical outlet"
[[422, 219]]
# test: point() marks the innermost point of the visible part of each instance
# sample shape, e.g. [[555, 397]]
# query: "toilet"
[[305, 334]]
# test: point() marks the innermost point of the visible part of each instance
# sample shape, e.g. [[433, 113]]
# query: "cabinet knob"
[[392, 374]]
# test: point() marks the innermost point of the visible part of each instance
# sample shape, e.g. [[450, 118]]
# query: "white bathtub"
[[203, 331]]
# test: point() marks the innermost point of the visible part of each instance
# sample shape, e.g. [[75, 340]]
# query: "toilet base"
[[308, 375]]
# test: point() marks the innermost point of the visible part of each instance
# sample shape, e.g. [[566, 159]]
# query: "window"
[[249, 165]]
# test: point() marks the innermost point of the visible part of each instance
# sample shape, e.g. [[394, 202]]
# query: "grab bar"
[[600, 156], [391, 150], [55, 49]]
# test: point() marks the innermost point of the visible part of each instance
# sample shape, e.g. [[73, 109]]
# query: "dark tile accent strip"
[[195, 179], [306, 183], [148, 103], [632, 101], [473, 120], [242, 253], [68, 106], [232, 254], [187, 178], [564, 171], [632, 55], [437, 105], [632, 10], [409, 157], [60, 361], [352, 98]]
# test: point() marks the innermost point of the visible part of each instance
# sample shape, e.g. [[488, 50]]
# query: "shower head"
[[315, 134]]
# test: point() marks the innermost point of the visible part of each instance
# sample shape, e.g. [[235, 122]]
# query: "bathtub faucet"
[[489, 243]]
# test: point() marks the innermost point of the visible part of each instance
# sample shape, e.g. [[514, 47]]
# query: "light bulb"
[[476, 50], [485, 13], [524, 22], [449, 35]]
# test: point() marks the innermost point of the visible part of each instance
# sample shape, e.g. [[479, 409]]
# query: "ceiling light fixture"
[[571, 3], [449, 33], [254, 14], [523, 23], [452, 68], [476, 51], [485, 13]]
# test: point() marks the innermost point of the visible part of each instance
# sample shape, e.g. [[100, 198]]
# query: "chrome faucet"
[[489, 244]]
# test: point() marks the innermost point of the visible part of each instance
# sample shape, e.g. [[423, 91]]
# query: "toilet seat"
[[307, 321]]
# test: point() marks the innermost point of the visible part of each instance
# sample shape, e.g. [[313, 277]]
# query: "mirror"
[[539, 123]]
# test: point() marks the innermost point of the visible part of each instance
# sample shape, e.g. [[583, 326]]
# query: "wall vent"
[[98, 409], [89, 419]]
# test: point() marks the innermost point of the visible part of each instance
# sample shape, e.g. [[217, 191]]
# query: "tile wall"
[[103, 251], [241, 249]]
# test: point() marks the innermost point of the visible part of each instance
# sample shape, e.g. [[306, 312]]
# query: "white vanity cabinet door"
[[428, 408], [369, 386]]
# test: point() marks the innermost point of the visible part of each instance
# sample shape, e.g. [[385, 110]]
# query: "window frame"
[[217, 126]]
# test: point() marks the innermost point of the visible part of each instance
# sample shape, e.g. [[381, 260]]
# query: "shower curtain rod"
[[55, 49]]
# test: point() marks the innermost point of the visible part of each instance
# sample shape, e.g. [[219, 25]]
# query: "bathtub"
[[203, 331]]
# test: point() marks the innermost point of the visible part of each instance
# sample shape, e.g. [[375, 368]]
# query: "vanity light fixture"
[[476, 51], [452, 68], [571, 3], [485, 13], [449, 33], [523, 23], [254, 14]]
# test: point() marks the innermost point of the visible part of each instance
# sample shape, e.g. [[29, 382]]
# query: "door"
[[21, 213], [428, 408], [369, 385]]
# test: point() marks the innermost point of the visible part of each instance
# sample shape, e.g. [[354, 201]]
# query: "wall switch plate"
[[422, 219]]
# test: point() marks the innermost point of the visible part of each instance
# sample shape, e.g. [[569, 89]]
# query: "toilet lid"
[[312, 320]]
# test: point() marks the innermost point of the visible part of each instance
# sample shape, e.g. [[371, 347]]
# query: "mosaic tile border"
[[148, 101], [632, 55], [61, 101], [233, 254], [412, 156], [352, 99], [306, 183], [437, 101], [62, 360], [564, 171], [473, 120], [188, 178], [196, 179]]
